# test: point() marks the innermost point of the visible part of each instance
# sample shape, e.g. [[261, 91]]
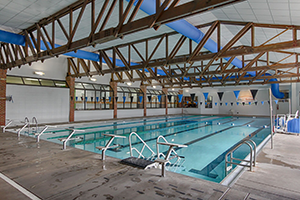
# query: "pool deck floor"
[[51, 173]]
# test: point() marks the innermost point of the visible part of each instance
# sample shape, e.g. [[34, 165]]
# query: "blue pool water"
[[208, 139]]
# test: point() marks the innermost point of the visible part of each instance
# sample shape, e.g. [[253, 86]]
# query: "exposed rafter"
[[198, 67], [38, 34]]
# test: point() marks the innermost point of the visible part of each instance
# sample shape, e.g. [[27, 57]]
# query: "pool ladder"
[[140, 152], [243, 162], [160, 158]]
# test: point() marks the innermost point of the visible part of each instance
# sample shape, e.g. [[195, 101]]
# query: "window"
[[188, 103], [129, 98], [155, 99], [209, 102], [172, 99], [19, 80], [93, 96]]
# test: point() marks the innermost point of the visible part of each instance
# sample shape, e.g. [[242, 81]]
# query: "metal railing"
[[140, 153], [65, 140], [243, 162], [34, 121], [26, 120], [4, 127], [38, 135]]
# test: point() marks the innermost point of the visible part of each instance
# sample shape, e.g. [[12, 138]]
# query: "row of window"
[[95, 96], [90, 96], [35, 81]]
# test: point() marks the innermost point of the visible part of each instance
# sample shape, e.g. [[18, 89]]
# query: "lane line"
[[18, 187]]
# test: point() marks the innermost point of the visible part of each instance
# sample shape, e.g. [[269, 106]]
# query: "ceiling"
[[16, 15]]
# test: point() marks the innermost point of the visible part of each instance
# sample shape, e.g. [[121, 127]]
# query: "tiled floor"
[[51, 173]]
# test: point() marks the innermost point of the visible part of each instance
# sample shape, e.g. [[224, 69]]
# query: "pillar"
[[165, 91], [144, 90], [2, 96], [114, 86], [71, 82]]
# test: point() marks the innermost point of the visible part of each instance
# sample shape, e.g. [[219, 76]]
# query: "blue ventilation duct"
[[12, 38], [17, 39], [188, 30]]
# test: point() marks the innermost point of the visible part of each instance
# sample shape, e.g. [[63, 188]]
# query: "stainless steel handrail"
[[139, 152], [249, 163], [4, 127], [26, 120], [38, 135], [36, 123]]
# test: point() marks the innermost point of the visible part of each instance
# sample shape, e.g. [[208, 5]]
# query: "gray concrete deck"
[[51, 173]]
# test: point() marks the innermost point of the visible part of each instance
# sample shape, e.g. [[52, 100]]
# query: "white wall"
[[54, 68], [160, 111], [126, 113], [259, 109], [85, 115], [47, 104], [228, 96], [173, 111]]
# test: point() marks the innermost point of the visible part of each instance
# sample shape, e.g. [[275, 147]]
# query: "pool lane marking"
[[193, 124], [18, 187], [134, 122], [123, 128], [204, 137]]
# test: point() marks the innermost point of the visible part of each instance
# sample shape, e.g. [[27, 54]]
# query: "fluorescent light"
[[129, 83], [93, 79], [39, 73]]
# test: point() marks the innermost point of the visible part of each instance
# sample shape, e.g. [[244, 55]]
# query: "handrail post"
[[112, 137], [27, 120], [66, 140], [44, 129], [21, 129], [252, 161], [4, 127], [36, 123], [69, 137]]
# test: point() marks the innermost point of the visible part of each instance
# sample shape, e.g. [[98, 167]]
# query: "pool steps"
[[243, 162], [160, 158]]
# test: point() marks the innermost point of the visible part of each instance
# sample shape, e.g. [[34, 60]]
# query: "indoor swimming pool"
[[208, 139]]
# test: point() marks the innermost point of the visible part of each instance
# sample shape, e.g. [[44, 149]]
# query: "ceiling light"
[[173, 89], [93, 79], [129, 83], [154, 86], [187, 90], [39, 73]]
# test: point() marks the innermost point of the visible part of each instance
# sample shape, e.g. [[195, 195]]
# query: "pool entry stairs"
[[169, 160]]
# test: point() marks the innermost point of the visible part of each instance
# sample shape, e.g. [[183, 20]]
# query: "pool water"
[[208, 138]]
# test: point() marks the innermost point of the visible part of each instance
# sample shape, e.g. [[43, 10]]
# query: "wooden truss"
[[187, 64], [69, 20]]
